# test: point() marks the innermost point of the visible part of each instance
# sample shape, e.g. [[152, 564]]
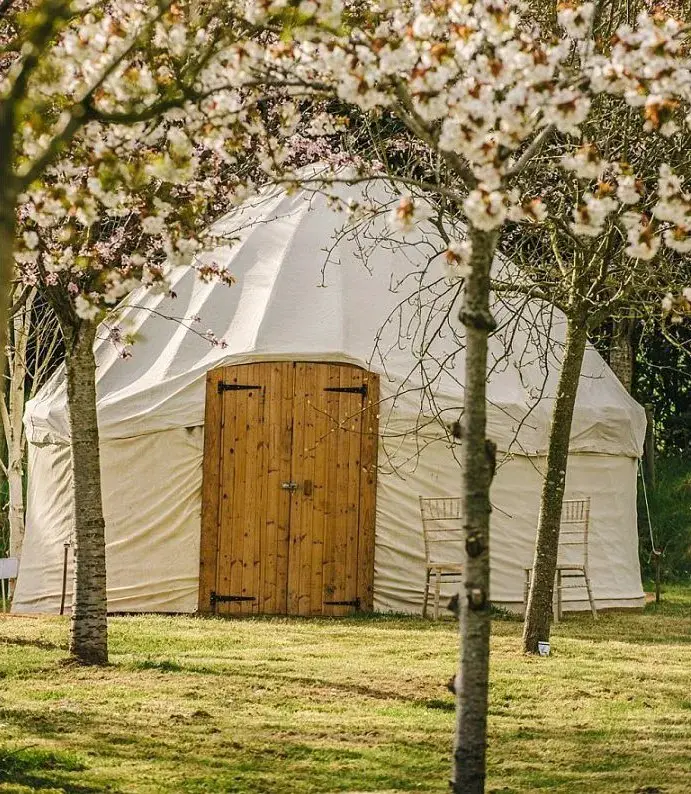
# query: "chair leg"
[[555, 600], [437, 588], [4, 596], [590, 595], [526, 590], [426, 598]]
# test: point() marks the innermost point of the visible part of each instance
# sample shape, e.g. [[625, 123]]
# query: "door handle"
[[289, 486]]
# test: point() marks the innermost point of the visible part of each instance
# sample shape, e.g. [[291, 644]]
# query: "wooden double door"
[[289, 488]]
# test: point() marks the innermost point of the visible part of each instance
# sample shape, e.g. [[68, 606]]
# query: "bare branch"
[[533, 149]]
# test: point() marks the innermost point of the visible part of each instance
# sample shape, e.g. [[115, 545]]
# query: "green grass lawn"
[[297, 706]]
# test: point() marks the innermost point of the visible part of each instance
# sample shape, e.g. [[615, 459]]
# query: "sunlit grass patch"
[[358, 705]]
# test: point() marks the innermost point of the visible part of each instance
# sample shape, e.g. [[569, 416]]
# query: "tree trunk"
[[15, 484], [477, 456], [537, 620], [8, 206], [4, 538], [12, 421], [89, 629], [621, 353]]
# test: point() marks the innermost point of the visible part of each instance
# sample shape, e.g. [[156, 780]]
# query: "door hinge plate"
[[361, 390], [354, 603], [216, 598], [235, 387]]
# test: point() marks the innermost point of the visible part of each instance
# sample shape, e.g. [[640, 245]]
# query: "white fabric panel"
[[153, 543], [48, 526], [609, 480], [152, 504], [284, 306]]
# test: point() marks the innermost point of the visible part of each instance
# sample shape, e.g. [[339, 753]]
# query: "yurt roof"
[[309, 288]]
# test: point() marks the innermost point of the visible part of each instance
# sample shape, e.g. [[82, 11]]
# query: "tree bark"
[[8, 207], [621, 353], [537, 621], [89, 627], [477, 457], [12, 422]]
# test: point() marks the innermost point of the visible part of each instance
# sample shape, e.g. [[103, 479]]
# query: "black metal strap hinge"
[[235, 387], [225, 599], [354, 603], [362, 390]]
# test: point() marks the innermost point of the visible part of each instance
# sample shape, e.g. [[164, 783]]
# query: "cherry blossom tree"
[[479, 86], [484, 89], [102, 186]]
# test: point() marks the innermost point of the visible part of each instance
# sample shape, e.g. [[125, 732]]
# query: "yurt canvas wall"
[[307, 294]]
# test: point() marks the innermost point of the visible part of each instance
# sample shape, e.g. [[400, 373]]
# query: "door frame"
[[211, 483]]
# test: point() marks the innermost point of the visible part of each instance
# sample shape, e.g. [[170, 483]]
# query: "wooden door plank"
[[260, 547], [274, 501], [211, 485], [236, 526], [226, 494], [251, 527], [346, 404], [322, 425], [304, 455], [228, 457], [262, 376], [295, 552], [334, 483], [353, 377], [305, 474], [330, 478], [245, 514], [285, 459], [273, 489], [368, 493]]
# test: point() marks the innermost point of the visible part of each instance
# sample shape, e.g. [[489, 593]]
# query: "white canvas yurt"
[[282, 473]]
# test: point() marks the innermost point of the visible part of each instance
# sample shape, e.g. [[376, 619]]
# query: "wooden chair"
[[9, 567], [572, 558], [442, 529]]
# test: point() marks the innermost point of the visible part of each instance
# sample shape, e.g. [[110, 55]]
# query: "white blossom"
[[628, 190], [30, 239], [590, 216], [407, 214], [585, 162], [485, 209], [457, 259], [86, 309], [576, 19]]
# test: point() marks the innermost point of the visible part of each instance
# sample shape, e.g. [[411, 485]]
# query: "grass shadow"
[[42, 645], [45, 724], [40, 770], [169, 666]]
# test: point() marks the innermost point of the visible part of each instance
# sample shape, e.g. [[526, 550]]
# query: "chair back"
[[442, 529], [9, 567], [573, 532]]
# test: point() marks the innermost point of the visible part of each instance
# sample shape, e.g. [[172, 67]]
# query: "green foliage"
[[318, 706], [670, 513], [662, 377]]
